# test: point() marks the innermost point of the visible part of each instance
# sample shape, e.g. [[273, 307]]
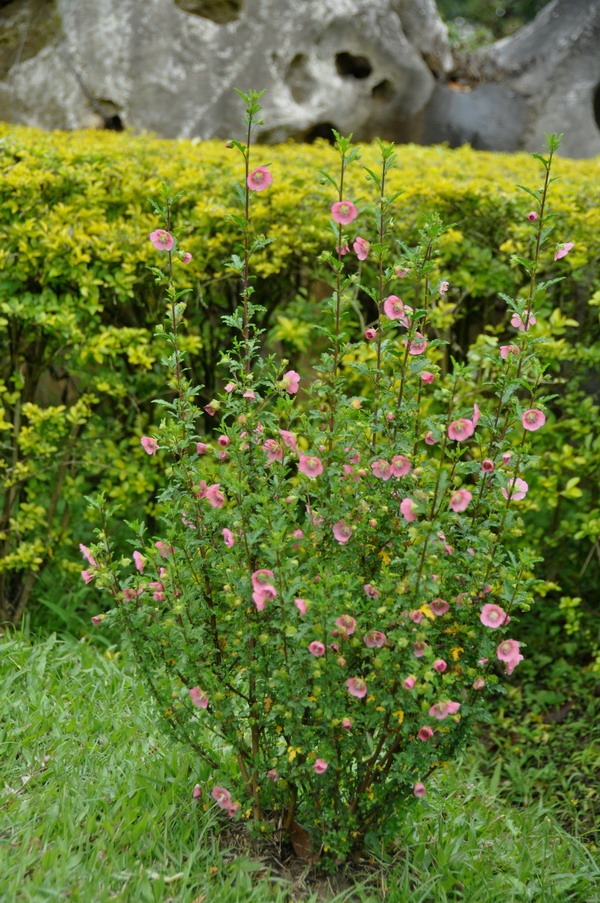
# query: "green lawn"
[[96, 805]]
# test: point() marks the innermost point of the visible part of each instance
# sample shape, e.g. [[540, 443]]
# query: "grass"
[[95, 805]]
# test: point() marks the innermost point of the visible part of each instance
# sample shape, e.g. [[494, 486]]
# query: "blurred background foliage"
[[476, 22], [80, 365]]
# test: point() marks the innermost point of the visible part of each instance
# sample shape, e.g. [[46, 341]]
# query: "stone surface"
[[544, 78], [169, 66]]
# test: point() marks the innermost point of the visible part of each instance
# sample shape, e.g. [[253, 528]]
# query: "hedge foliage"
[[78, 308]]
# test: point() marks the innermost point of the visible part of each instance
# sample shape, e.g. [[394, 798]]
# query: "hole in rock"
[[356, 66], [219, 11], [113, 123], [299, 79], [320, 130], [383, 91]]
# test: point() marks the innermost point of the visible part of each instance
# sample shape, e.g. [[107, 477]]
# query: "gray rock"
[[544, 78], [169, 66]]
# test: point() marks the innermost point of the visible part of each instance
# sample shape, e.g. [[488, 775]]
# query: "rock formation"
[[544, 78], [169, 66], [370, 67]]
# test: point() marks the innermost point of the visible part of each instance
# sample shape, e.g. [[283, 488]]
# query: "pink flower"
[[487, 465], [506, 457], [212, 407], [87, 555], [382, 469], [430, 439], [233, 809], [223, 441], [273, 775], [199, 698], [420, 790], [342, 531], [441, 710], [260, 596], [97, 619], [201, 448], [409, 510], [512, 664], [228, 537], [459, 500], [416, 616], [395, 309], [492, 615], [149, 445], [347, 624], [375, 639], [320, 766], [138, 561], [186, 257], [440, 665], [516, 489], [357, 687], [162, 240], [301, 605], [478, 683], [523, 324], [443, 287], [261, 578], [475, 417], [533, 419], [310, 466], [461, 429], [370, 334], [163, 549], [439, 607], [215, 496], [402, 272], [290, 382], [408, 683], [419, 649], [315, 518], [346, 723], [197, 792], [505, 350], [564, 250], [371, 591], [400, 466], [425, 733], [316, 648], [361, 248], [507, 650], [342, 250], [418, 344], [343, 212], [222, 797], [273, 449], [427, 377], [532, 216], [259, 179], [289, 440]]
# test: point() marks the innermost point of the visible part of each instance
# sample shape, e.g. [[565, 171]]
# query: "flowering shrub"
[[322, 619]]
